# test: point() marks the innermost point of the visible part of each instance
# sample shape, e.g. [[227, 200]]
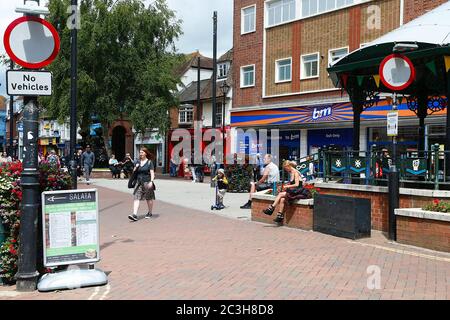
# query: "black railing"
[[418, 169]]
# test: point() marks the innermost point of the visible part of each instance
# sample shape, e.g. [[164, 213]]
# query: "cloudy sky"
[[197, 25]]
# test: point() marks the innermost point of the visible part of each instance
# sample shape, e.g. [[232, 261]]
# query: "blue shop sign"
[[338, 137]]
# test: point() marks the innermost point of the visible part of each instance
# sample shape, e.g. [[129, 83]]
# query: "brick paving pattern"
[[188, 254]]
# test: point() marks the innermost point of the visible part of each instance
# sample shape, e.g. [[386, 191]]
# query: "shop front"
[[176, 137], [154, 143], [327, 125]]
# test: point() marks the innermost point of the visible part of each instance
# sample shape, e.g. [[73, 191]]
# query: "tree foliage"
[[126, 58]]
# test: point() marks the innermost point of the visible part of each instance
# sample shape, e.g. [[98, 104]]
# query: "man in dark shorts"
[[271, 174]]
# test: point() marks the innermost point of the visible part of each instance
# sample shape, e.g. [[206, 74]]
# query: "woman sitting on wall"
[[290, 192], [114, 167]]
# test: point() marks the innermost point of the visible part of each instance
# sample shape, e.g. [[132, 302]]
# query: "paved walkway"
[[188, 254], [184, 193]]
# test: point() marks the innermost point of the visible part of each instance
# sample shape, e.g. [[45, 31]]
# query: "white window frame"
[[355, 2], [277, 73], [336, 49], [242, 76], [302, 69], [219, 113], [243, 20], [185, 109], [227, 68], [267, 13]]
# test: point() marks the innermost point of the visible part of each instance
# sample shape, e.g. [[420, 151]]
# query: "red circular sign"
[[36, 52], [397, 72]]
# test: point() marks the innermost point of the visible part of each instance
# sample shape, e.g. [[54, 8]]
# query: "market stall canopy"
[[425, 41]]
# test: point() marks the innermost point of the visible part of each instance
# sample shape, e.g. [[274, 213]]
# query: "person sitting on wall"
[[290, 192], [271, 174], [128, 165], [114, 167]]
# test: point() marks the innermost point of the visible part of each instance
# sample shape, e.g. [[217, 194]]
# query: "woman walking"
[[145, 189]]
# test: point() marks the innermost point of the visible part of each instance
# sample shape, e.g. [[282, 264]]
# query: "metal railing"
[[418, 169]]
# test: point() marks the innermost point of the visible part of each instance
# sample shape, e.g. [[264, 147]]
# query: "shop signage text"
[[322, 113]]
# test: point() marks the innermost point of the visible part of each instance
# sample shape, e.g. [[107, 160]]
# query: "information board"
[[70, 227]]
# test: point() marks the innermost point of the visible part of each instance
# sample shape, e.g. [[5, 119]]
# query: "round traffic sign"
[[397, 72], [31, 42]]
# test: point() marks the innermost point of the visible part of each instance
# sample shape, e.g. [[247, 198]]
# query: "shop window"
[[408, 137], [248, 19]]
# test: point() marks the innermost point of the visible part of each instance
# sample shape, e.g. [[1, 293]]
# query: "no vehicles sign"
[[29, 83]]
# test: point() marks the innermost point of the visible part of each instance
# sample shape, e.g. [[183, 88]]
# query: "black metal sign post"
[[73, 100], [394, 183], [11, 119], [27, 274]]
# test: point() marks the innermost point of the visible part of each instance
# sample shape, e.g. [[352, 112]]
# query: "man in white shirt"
[[271, 174]]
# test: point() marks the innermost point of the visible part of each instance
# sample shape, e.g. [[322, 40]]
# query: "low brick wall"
[[379, 198], [299, 215], [429, 231], [101, 174]]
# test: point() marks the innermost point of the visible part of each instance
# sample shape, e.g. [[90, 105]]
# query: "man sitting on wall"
[[271, 174]]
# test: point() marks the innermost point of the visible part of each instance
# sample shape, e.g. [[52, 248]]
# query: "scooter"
[[217, 205]]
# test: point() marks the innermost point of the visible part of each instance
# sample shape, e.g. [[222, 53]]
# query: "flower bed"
[[51, 178], [437, 206]]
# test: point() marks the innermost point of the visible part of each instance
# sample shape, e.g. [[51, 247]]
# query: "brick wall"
[[380, 204], [424, 233], [296, 216], [340, 28], [415, 8], [247, 49]]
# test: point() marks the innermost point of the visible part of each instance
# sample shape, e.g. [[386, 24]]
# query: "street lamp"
[[224, 88]]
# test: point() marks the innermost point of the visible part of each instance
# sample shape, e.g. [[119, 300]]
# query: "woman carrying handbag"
[[144, 175]]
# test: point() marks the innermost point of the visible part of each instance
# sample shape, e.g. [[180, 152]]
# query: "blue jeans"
[[173, 170]]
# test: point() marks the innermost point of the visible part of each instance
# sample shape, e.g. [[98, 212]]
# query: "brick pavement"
[[188, 254]]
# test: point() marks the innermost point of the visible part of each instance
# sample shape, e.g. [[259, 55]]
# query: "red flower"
[[436, 202]]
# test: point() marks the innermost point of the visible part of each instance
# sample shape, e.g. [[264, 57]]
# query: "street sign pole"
[[27, 274], [30, 53], [73, 101], [394, 181], [11, 119]]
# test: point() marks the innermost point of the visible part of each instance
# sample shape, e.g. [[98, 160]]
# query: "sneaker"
[[221, 206], [133, 217], [248, 205], [148, 215]]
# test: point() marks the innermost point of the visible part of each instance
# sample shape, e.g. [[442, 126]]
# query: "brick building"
[[190, 111], [282, 49]]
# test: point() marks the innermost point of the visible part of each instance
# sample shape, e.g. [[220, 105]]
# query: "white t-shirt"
[[272, 172]]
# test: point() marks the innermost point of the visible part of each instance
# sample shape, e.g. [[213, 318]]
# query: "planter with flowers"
[[427, 227], [51, 178]]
